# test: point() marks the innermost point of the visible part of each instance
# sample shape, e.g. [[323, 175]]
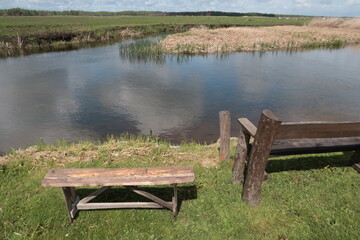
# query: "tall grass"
[[143, 50]]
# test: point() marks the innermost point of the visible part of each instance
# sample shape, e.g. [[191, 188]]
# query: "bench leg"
[[71, 200], [355, 160], [175, 201], [84, 204], [264, 138], [241, 155]]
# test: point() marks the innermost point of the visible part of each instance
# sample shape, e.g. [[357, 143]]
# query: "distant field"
[[18, 33], [8, 22], [28, 24]]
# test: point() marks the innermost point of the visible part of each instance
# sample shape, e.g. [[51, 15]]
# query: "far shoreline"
[[49, 33]]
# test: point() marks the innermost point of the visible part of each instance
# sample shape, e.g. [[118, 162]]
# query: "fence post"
[[224, 117]]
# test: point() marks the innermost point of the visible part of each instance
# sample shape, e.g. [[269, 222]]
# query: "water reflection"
[[90, 93]]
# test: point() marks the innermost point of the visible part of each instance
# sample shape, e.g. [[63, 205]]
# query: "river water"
[[88, 94]]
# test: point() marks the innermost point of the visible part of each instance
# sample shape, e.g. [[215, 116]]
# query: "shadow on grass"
[[121, 194], [307, 162]]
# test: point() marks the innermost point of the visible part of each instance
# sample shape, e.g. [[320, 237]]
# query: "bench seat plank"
[[290, 130], [118, 176], [314, 145]]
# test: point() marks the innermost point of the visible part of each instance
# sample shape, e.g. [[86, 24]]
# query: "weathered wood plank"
[[264, 138], [175, 200], [116, 181], [248, 126], [240, 157], [69, 204], [289, 130], [73, 194], [118, 176], [134, 172], [105, 205], [314, 145], [93, 195], [225, 118], [151, 197], [75, 210]]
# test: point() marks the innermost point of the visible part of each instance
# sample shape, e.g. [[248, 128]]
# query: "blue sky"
[[349, 8]]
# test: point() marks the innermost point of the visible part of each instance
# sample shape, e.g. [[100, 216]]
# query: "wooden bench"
[[273, 137], [106, 178]]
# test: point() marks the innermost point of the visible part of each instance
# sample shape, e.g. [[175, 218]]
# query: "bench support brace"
[[74, 204]]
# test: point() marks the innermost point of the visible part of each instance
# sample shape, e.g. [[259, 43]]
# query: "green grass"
[[306, 197], [25, 32], [30, 24], [142, 50], [326, 44]]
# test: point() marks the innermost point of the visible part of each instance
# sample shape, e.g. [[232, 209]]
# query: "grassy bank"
[[25, 32], [306, 197], [329, 33]]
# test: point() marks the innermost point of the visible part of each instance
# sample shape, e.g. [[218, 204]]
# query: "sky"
[[345, 8]]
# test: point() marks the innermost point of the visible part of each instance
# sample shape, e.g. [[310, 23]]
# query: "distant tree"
[[25, 12]]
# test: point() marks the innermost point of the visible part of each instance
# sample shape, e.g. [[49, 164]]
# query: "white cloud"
[[302, 3], [305, 7]]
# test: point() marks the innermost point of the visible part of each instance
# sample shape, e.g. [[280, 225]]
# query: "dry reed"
[[117, 150], [205, 41]]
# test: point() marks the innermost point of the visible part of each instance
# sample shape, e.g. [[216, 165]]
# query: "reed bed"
[[203, 41], [142, 50]]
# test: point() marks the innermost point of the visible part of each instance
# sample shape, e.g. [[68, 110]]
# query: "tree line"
[[26, 12], [218, 13]]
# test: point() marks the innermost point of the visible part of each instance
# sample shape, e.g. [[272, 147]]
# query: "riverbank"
[[22, 33], [330, 33], [306, 197]]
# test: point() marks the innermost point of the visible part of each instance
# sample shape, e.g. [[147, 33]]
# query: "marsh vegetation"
[[34, 32], [143, 50], [329, 33]]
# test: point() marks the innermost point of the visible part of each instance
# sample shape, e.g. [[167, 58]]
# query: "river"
[[90, 93]]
